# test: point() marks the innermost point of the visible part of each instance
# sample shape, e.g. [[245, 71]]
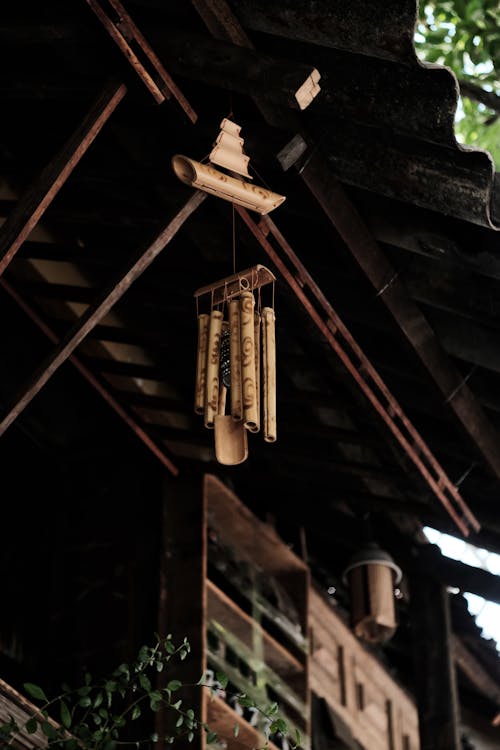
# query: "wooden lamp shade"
[[372, 575]]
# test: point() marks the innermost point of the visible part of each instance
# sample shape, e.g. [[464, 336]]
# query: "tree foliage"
[[465, 36]]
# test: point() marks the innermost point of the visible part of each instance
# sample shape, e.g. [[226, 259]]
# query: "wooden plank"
[[222, 719], [38, 197], [224, 611], [98, 310], [16, 705], [435, 682]]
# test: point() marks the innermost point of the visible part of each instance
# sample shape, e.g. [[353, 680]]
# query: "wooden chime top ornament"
[[228, 153], [236, 354]]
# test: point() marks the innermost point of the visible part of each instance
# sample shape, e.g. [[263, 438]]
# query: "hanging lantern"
[[236, 358], [372, 575]]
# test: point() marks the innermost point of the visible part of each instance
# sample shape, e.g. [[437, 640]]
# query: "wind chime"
[[237, 357], [236, 354]]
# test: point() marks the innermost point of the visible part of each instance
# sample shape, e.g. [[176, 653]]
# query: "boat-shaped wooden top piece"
[[227, 153]]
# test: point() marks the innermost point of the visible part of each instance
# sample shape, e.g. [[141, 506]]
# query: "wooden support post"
[[34, 202], [435, 681], [182, 601], [98, 310]]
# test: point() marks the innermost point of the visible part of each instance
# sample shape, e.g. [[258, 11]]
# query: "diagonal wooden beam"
[[98, 310], [32, 205], [94, 381], [140, 54], [392, 292], [474, 670], [361, 370]]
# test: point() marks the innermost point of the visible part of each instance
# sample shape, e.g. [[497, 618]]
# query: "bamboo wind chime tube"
[[212, 378], [269, 374], [235, 354], [256, 333], [201, 364], [250, 415]]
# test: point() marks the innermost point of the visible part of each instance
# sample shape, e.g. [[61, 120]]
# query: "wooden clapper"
[[236, 363]]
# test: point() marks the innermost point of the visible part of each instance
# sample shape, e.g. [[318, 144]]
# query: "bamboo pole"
[[213, 356], [250, 416], [269, 374], [235, 353], [256, 333], [201, 364]]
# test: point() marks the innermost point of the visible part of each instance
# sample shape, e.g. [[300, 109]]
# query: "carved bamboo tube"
[[250, 416], [213, 357], [201, 364], [256, 333], [235, 354], [269, 374]]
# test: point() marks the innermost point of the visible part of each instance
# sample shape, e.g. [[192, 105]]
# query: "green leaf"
[[65, 715], [48, 730], [273, 709], [35, 691], [31, 726], [222, 679], [85, 701], [211, 737], [246, 702], [169, 647], [182, 654], [136, 712], [174, 685], [176, 705], [145, 682], [236, 730], [190, 713], [154, 737], [98, 699], [180, 721], [88, 678], [159, 666], [190, 736], [298, 738]]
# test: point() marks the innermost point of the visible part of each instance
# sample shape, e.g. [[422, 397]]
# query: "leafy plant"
[[465, 36], [95, 715]]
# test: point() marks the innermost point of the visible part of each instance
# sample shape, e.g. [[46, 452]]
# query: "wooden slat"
[[35, 201], [224, 611], [98, 310]]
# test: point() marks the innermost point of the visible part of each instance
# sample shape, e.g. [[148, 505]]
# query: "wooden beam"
[[141, 57], [428, 559], [360, 369], [474, 670], [349, 224], [34, 202], [233, 67], [95, 382], [98, 310], [435, 681]]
